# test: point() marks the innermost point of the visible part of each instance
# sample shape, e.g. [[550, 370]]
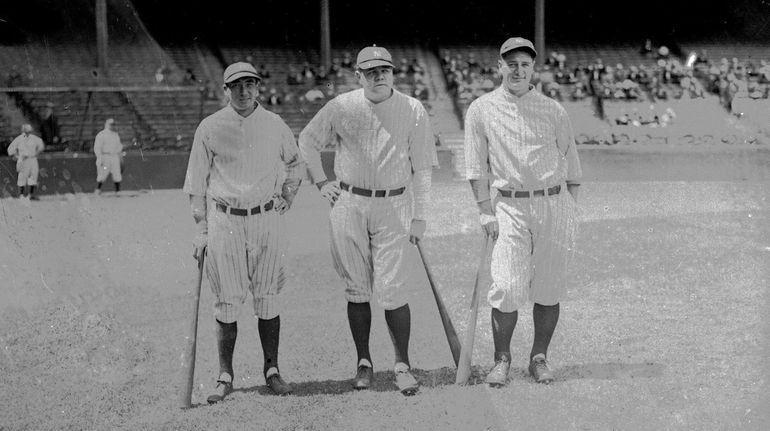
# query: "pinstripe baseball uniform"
[[26, 147], [108, 149], [525, 144], [242, 163], [378, 147]]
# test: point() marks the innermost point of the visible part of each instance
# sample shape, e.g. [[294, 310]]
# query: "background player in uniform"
[[243, 174], [383, 163], [109, 152], [24, 149], [522, 142]]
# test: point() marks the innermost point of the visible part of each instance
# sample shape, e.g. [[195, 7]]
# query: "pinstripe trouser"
[[533, 249], [245, 254], [369, 240]]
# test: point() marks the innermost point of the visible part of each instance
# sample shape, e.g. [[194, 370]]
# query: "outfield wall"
[[76, 173]]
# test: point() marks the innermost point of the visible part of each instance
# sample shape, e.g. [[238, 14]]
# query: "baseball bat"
[[188, 354], [449, 329], [464, 364]]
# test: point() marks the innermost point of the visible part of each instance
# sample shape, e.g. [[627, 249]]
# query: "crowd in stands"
[[663, 76], [311, 84]]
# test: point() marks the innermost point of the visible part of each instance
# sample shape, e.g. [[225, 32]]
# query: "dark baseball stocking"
[[360, 319], [545, 318], [226, 334], [503, 325], [400, 324], [117, 186], [269, 331]]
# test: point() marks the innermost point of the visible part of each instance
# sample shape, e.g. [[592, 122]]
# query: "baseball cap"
[[239, 70], [373, 56], [518, 43]]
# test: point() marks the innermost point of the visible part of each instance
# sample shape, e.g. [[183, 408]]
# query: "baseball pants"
[[28, 170], [245, 254], [110, 166], [369, 240], [534, 246]]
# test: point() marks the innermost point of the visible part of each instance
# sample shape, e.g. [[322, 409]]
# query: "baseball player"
[[24, 149], [522, 143], [243, 174], [383, 161], [109, 151]]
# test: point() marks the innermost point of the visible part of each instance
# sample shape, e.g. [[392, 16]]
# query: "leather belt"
[[244, 212], [525, 194], [371, 193]]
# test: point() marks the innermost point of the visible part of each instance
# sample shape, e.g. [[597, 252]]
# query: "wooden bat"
[[449, 329], [464, 365], [188, 353]]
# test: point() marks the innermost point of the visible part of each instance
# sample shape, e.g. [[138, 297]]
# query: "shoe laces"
[[540, 364]]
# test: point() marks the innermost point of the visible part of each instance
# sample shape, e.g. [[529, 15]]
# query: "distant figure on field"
[[24, 149], [109, 152]]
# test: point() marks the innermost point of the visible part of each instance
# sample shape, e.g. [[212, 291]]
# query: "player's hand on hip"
[[490, 225], [417, 230], [330, 190]]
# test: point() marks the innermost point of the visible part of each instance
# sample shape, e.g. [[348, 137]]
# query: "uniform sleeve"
[[317, 135], [40, 147], [12, 147], [198, 167], [565, 140], [98, 143], [476, 145], [422, 146], [290, 155]]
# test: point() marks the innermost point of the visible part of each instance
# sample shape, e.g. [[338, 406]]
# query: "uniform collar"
[[236, 114], [511, 97]]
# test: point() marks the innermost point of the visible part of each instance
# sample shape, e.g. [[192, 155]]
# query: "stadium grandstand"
[[671, 75]]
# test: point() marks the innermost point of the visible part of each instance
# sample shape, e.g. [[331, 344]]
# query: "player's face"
[[242, 94], [516, 68], [377, 82]]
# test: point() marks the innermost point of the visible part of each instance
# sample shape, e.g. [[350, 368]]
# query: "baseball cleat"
[[405, 381], [539, 370], [277, 385], [224, 387], [364, 377], [498, 376]]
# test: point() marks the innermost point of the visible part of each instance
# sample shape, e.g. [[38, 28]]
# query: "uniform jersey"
[[521, 143], [243, 162], [26, 146], [525, 143], [233, 159], [378, 145], [107, 142]]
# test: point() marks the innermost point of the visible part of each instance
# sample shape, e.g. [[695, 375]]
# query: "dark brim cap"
[[518, 43], [239, 70], [373, 56]]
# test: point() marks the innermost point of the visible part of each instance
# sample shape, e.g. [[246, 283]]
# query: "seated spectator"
[[646, 48], [347, 60], [50, 131], [314, 94], [189, 78], [663, 52], [273, 98], [14, 77], [161, 74], [294, 77], [263, 72], [308, 72]]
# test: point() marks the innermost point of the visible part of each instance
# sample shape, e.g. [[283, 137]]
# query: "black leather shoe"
[[224, 388], [277, 385], [364, 377], [539, 370]]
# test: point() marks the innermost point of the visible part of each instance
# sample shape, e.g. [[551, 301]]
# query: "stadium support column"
[[101, 37], [326, 45], [540, 30]]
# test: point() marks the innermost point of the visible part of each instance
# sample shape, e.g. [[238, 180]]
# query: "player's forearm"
[[421, 182], [480, 188], [290, 188]]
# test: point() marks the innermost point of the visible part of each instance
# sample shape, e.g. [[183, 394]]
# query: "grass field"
[[665, 326]]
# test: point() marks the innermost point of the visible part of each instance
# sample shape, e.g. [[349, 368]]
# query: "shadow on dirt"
[[384, 381]]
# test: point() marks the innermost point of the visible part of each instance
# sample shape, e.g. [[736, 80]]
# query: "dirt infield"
[[665, 326]]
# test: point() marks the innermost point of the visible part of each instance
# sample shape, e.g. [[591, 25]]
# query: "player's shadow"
[[609, 371], [384, 381]]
